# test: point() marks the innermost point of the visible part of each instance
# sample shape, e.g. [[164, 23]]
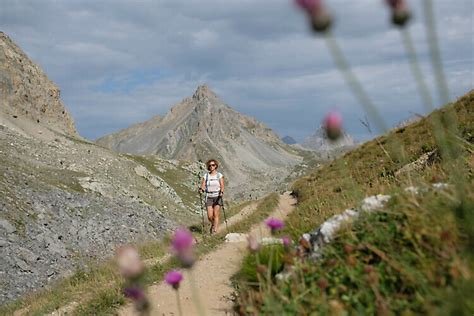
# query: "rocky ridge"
[[26, 91]]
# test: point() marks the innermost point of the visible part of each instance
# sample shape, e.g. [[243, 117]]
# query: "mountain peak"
[[203, 92]]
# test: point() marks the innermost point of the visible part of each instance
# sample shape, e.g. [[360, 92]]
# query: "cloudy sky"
[[118, 62]]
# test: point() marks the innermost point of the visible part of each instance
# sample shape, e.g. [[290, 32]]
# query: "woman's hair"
[[212, 160]]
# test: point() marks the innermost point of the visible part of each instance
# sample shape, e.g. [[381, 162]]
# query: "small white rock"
[[411, 189], [374, 202], [236, 237], [440, 185], [271, 241]]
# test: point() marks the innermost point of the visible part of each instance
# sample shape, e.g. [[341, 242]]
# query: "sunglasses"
[[212, 165]]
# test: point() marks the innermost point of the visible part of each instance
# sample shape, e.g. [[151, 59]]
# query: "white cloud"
[[258, 55]]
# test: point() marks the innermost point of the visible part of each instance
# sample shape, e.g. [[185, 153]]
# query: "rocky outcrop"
[[253, 158], [26, 91], [310, 244]]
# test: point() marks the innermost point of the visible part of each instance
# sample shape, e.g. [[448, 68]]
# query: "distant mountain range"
[[318, 141], [289, 140]]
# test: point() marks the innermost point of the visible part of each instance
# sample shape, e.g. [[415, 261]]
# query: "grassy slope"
[[412, 257]]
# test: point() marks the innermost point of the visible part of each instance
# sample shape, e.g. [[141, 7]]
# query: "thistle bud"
[[174, 278], [333, 125], [400, 13], [274, 224], [319, 17], [321, 21]]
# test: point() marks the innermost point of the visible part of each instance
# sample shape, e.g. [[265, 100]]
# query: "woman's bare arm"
[[221, 181]]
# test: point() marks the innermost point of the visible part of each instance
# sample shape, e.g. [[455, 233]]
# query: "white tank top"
[[213, 184]]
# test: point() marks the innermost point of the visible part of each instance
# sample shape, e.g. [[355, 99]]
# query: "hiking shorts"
[[213, 201]]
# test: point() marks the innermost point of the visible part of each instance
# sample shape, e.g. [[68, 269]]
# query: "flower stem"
[[194, 291], [416, 70], [179, 303], [352, 81], [435, 52]]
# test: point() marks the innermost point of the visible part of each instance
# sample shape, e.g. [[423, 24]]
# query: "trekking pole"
[[202, 213], [201, 202], [225, 217]]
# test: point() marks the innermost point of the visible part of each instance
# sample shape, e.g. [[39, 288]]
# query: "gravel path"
[[211, 274]]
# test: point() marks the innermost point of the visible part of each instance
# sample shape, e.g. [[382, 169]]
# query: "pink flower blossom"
[[254, 245], [309, 6], [174, 278], [182, 245], [182, 240], [333, 125], [135, 293], [286, 241], [129, 262], [274, 224]]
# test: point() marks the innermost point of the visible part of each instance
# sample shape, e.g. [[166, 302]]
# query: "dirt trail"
[[211, 274]]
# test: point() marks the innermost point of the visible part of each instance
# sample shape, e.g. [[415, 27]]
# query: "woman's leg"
[[210, 216], [216, 214]]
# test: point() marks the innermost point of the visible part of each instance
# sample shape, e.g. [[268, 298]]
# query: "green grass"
[[264, 208], [413, 258], [80, 286], [174, 177]]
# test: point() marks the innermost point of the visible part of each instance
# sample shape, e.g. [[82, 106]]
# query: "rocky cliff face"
[[252, 156], [26, 91], [66, 201]]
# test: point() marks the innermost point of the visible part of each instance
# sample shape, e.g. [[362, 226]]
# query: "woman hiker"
[[213, 184]]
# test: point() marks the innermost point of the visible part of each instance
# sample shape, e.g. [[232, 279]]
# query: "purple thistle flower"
[[253, 244], [274, 224], [333, 125], [182, 245], [135, 293], [309, 6], [139, 298], [392, 3], [173, 278], [182, 240], [286, 241]]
